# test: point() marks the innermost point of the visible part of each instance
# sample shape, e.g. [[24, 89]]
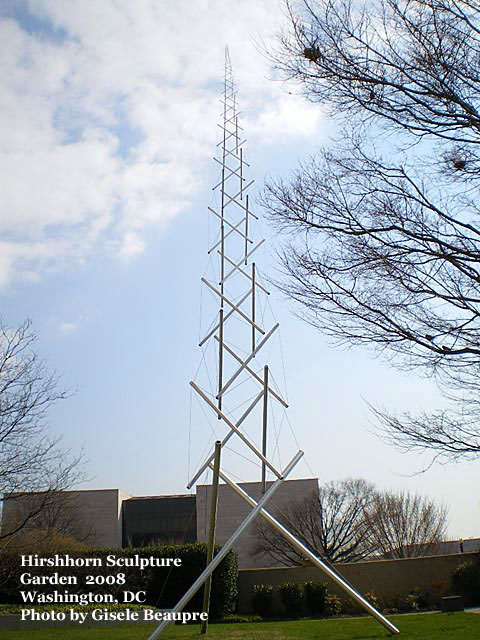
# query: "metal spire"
[[238, 293], [235, 248]]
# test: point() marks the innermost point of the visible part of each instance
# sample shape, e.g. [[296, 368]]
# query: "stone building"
[[112, 518]]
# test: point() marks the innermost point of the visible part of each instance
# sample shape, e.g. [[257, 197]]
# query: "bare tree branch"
[[384, 246], [31, 459], [404, 525], [330, 523], [350, 520]]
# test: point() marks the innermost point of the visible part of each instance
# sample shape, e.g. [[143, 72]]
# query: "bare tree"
[[31, 459], [405, 525], [385, 225], [56, 522], [330, 523]]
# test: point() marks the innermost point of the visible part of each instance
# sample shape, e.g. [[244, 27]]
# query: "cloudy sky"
[[108, 114]]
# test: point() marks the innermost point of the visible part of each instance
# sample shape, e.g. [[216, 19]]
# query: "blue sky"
[[109, 115]]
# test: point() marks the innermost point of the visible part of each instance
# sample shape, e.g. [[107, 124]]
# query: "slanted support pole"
[[211, 532], [264, 434], [233, 427], [227, 546], [242, 418], [318, 562]]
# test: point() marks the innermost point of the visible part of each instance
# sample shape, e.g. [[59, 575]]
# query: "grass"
[[435, 626]]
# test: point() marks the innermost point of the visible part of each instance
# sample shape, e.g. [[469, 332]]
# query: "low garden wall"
[[387, 578]]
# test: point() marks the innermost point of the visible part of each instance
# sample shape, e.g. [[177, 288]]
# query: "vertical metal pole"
[[246, 228], [211, 532], [236, 128], [222, 233], [220, 360], [241, 175], [265, 416], [253, 307]]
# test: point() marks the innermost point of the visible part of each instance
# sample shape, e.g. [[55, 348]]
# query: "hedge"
[[316, 595], [466, 581], [262, 598], [291, 595], [164, 586]]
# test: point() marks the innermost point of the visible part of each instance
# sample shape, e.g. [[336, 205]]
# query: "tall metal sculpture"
[[238, 291]]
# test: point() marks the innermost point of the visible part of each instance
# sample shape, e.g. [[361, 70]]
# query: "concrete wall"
[[91, 516], [470, 545], [101, 511], [387, 577], [232, 510]]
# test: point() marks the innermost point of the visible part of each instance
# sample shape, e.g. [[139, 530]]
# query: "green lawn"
[[435, 626]]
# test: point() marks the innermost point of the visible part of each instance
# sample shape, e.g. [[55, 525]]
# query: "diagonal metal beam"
[[243, 272], [233, 305], [229, 233], [229, 98], [237, 264], [238, 423], [321, 564], [253, 373], [230, 121], [226, 165], [229, 224], [242, 437], [234, 198], [250, 357], [246, 209], [227, 546], [231, 135], [225, 318], [231, 153], [233, 172]]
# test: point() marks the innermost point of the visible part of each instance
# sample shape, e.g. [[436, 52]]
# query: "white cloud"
[[68, 327], [106, 131], [286, 117], [130, 245]]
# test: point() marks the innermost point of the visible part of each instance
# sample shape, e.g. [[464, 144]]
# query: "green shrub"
[[412, 602], [373, 598], [316, 593], [425, 599], [291, 594], [262, 598], [466, 581], [351, 607], [334, 606]]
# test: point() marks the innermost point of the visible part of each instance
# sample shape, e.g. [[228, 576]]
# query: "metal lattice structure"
[[238, 293]]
